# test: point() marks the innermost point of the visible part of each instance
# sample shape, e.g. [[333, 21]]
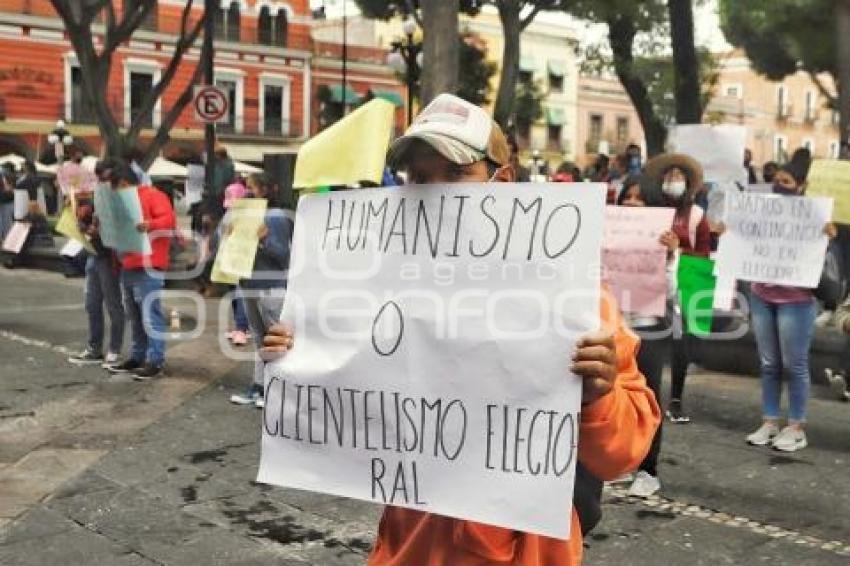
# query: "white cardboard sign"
[[719, 149], [774, 239], [433, 335]]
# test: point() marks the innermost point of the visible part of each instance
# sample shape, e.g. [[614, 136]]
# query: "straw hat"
[[658, 165]]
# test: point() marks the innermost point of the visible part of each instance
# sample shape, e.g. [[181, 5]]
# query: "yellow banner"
[[352, 150], [67, 226], [831, 178], [235, 257]]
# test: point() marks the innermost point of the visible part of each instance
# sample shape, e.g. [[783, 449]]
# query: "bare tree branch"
[[186, 40], [163, 135], [832, 98]]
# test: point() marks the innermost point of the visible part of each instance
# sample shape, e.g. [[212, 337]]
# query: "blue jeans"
[[141, 301], [784, 335], [103, 286], [240, 317]]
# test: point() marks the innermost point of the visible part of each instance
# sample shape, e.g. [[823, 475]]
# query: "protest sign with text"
[[634, 262], [774, 239], [433, 336]]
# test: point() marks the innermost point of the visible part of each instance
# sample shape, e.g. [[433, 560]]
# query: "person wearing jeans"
[[262, 294], [147, 323], [838, 379], [103, 285], [143, 275], [784, 322]]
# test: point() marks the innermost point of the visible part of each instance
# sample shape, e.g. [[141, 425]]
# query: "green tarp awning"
[[389, 96], [351, 97], [527, 64], [557, 67], [555, 116]]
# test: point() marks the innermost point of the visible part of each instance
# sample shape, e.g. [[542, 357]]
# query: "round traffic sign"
[[211, 103]]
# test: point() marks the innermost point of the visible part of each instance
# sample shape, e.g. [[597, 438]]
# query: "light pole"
[[406, 58], [60, 138]]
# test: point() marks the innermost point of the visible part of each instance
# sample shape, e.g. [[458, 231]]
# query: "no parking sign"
[[212, 104]]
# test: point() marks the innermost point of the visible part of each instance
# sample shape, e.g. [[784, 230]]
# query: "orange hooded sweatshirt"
[[614, 436]]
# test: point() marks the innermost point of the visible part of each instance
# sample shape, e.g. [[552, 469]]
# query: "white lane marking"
[[49, 308], [65, 351], [621, 496]]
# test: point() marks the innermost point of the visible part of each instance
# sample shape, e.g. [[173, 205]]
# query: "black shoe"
[[149, 371], [127, 366], [86, 357]]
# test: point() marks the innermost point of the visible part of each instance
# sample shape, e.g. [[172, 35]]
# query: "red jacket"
[[159, 214]]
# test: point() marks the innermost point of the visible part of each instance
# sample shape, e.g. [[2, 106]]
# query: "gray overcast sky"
[[707, 23]]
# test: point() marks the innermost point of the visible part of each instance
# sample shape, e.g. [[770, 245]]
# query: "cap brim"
[[454, 150]]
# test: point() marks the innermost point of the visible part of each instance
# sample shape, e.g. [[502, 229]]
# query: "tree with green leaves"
[[782, 37], [95, 53]]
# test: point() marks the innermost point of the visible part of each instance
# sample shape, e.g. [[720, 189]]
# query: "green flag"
[[696, 293]]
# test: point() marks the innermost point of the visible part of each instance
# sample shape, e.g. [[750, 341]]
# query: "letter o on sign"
[[388, 329]]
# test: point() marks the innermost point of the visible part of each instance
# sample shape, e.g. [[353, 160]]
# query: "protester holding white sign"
[[457, 424], [785, 239], [649, 228]]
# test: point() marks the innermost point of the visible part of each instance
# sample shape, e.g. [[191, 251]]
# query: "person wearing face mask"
[[654, 350], [453, 141], [783, 322], [679, 177]]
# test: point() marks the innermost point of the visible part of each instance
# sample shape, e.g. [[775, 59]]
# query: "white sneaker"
[[111, 359], [644, 485], [260, 402], [764, 435], [790, 440], [626, 478], [838, 384]]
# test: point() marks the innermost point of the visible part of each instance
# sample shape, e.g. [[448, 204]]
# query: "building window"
[[274, 106], [233, 83], [264, 26], [556, 83], [811, 102], [596, 125], [809, 144], [733, 91], [780, 149], [281, 28], [141, 84], [151, 21], [622, 131], [81, 109], [782, 107], [554, 136], [227, 23], [834, 150]]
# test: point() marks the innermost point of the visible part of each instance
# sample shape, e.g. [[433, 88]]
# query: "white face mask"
[[674, 189]]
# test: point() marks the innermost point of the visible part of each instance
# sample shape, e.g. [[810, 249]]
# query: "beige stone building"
[[606, 120], [779, 116]]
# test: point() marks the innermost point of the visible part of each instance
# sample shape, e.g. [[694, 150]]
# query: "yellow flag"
[[831, 178], [67, 226], [352, 150]]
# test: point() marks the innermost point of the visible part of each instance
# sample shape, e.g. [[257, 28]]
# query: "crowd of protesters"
[[622, 376]]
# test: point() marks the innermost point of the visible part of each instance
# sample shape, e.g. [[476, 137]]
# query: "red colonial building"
[[265, 58]]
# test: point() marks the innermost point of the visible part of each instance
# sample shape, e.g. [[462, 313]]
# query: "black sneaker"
[[127, 366], [149, 371], [86, 357], [675, 413]]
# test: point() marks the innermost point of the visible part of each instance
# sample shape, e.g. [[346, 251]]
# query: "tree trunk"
[[621, 34], [440, 48], [509, 14], [685, 62], [842, 25]]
